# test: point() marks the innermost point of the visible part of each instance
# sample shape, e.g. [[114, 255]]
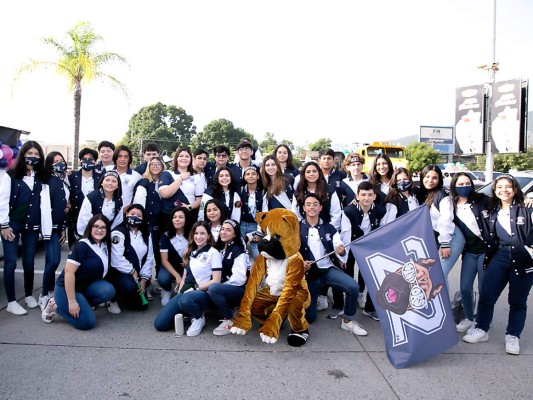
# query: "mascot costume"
[[285, 293]]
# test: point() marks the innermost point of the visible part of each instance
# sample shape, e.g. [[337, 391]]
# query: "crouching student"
[[132, 259], [228, 294], [317, 240], [81, 285], [203, 267], [360, 219]]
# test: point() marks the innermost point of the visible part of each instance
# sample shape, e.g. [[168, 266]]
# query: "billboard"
[[439, 137], [469, 118]]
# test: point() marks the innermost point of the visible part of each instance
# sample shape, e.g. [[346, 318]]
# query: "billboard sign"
[[439, 137]]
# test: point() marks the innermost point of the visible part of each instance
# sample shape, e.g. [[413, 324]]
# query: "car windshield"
[[523, 181]]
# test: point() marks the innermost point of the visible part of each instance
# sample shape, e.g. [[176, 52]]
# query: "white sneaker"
[[113, 307], [512, 345], [361, 300], [464, 325], [476, 335], [43, 301], [224, 328], [15, 308], [165, 297], [322, 303], [49, 311], [196, 326], [354, 327], [31, 302]]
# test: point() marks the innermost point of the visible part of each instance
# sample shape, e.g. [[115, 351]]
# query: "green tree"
[[220, 131], [320, 144], [506, 162], [419, 155], [80, 62], [268, 144], [168, 126]]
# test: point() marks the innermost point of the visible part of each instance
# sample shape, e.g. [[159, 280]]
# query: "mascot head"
[[282, 233]]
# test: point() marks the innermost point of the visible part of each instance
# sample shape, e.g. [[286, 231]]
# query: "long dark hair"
[[375, 177], [170, 230], [473, 197], [394, 196], [49, 161], [18, 169], [518, 197], [89, 227], [125, 148], [143, 227], [290, 159], [274, 186], [237, 239], [321, 185], [117, 194], [220, 206], [192, 245], [426, 196], [216, 187]]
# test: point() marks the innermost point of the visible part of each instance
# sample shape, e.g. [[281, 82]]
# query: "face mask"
[[59, 167], [133, 220], [31, 160], [403, 186], [87, 165], [463, 191]]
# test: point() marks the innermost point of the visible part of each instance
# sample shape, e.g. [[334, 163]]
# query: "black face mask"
[[32, 160], [133, 221], [403, 186], [59, 167], [87, 165]]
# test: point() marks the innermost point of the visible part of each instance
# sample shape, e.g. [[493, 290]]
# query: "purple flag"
[[401, 267]]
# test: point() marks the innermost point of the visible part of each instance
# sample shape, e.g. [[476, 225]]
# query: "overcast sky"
[[349, 70]]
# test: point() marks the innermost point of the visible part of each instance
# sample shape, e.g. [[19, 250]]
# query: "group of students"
[[121, 222]]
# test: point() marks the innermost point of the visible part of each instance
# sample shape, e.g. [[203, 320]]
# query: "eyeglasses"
[[157, 164], [244, 149], [223, 155], [99, 228], [87, 159]]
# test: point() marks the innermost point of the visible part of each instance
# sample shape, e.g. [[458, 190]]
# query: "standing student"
[[319, 239], [252, 201], [173, 246], [380, 175], [400, 199], [107, 200], [360, 219], [244, 150], [123, 158], [132, 259], [24, 212], [223, 188], [353, 166], [181, 186], [149, 151], [203, 267], [81, 286], [312, 181], [279, 190], [106, 150], [508, 235], [286, 161], [334, 177], [450, 239], [468, 208], [221, 154], [59, 191], [227, 294], [82, 182]]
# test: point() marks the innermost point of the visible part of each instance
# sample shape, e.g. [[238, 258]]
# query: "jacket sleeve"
[[238, 271], [84, 216], [346, 229], [140, 195], [445, 225], [5, 195], [146, 269], [118, 247], [336, 242], [46, 212], [335, 211]]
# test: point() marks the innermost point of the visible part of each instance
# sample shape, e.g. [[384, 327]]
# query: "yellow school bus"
[[370, 151]]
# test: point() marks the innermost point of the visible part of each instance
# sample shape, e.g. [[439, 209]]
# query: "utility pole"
[[492, 80]]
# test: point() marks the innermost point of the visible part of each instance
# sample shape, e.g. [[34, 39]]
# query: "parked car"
[[481, 175], [524, 179]]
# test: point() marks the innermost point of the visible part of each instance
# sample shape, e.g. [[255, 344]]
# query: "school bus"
[[370, 151]]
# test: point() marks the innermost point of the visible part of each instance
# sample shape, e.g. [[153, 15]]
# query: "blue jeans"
[[249, 227], [500, 272], [98, 292], [457, 245], [226, 297], [472, 265], [165, 279], [52, 259], [126, 289], [29, 248], [337, 279], [194, 302]]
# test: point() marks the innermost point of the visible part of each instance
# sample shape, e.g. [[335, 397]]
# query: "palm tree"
[[79, 62]]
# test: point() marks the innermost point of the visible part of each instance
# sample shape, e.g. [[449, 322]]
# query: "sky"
[[352, 71]]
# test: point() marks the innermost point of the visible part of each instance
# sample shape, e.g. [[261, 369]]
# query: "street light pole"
[[492, 80]]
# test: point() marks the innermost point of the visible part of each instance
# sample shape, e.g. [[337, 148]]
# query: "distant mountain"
[[404, 141]]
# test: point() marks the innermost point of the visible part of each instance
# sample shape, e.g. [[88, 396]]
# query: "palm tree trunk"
[[77, 115]]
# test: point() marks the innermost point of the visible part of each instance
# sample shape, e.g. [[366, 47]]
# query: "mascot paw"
[[268, 339], [237, 331], [298, 339]]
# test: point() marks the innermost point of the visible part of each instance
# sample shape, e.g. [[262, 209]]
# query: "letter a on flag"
[[401, 267]]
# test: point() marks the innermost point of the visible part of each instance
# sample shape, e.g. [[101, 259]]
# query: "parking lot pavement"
[[124, 357]]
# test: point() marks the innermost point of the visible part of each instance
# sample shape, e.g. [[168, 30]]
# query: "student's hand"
[[307, 265], [63, 237], [74, 309], [528, 203], [142, 284], [445, 252], [185, 175], [7, 234], [340, 250]]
